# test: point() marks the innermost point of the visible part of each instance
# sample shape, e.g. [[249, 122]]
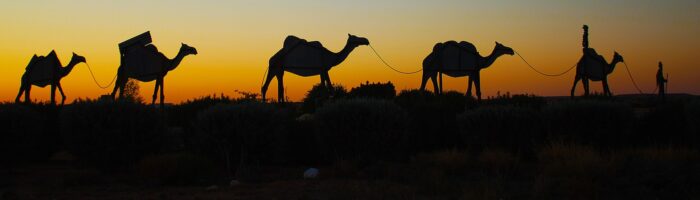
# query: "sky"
[[236, 38]]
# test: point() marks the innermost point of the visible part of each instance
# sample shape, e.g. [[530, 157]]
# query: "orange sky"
[[235, 39]]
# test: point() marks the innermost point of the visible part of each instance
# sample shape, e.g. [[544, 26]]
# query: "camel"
[[594, 67], [46, 70], [304, 58], [146, 63], [458, 60]]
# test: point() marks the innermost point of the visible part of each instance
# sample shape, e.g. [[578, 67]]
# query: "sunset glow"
[[235, 39]]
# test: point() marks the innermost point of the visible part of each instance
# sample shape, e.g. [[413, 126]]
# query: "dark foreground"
[[367, 144]]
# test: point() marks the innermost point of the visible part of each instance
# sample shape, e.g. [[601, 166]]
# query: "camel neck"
[[343, 54], [613, 64], [68, 68], [490, 59], [176, 61]]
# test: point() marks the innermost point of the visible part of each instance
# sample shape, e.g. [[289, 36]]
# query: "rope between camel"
[[542, 73], [95, 79], [390, 67], [635, 82]]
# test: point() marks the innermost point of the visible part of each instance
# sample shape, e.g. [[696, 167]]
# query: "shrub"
[[111, 134], [244, 132], [571, 171], [432, 123], [666, 124], [319, 95], [28, 132], [374, 90], [508, 127], [589, 122], [185, 113], [176, 169], [517, 100], [364, 129]]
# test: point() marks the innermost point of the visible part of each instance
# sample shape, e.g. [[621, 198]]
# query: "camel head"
[[618, 57], [500, 48], [187, 50], [357, 41], [77, 59]]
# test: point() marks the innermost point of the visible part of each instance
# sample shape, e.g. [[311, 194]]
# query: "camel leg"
[[268, 79], [159, 81], [573, 89], [423, 80], [119, 85], [469, 86], [22, 88], [63, 95], [53, 94], [586, 87], [122, 86], [440, 76], [477, 84], [162, 92], [27, 99], [328, 79], [606, 89], [436, 87], [280, 88], [323, 80]]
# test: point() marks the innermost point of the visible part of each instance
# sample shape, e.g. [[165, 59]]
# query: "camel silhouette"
[[304, 58], [46, 70], [594, 67], [458, 60], [145, 63]]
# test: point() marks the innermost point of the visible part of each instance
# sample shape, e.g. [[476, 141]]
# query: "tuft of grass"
[[365, 129], [176, 169]]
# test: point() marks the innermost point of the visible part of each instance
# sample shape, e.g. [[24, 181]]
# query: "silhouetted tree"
[[131, 91]]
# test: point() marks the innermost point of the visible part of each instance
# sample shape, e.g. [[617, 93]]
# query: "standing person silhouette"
[[587, 51], [585, 37], [661, 82]]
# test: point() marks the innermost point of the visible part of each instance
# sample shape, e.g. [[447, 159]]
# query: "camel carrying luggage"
[[139, 41], [139, 58], [457, 56], [41, 69]]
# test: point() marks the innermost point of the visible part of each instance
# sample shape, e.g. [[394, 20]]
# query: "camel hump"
[[438, 46], [42, 69], [467, 46], [291, 41], [32, 62], [316, 44]]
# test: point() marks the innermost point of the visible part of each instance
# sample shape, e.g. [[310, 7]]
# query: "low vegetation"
[[412, 144]]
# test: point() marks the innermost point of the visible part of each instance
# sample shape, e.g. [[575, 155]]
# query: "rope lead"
[[390, 67], [95, 80]]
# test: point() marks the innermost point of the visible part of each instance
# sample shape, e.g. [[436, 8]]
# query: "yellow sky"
[[235, 39]]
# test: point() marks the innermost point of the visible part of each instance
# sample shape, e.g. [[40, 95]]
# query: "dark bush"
[[668, 123], [319, 95], [177, 169], [597, 122], [507, 127], [243, 133], [374, 90], [360, 129], [185, 113], [111, 134], [28, 132], [519, 100], [432, 124]]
